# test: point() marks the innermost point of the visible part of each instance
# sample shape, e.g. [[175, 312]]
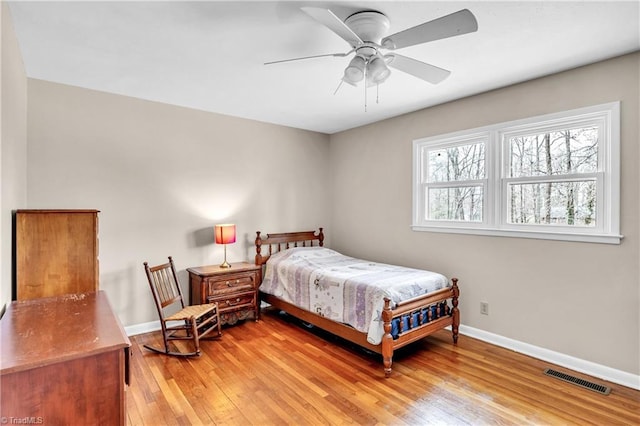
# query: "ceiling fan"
[[365, 32]]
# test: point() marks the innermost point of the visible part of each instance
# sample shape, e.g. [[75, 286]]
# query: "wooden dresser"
[[235, 289], [64, 361], [56, 252]]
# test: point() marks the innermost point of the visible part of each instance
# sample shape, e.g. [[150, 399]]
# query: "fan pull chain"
[[365, 97], [364, 84], [339, 86]]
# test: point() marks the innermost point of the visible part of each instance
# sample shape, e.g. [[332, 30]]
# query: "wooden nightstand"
[[235, 289]]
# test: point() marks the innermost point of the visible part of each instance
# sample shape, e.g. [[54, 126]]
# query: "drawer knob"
[[229, 283]]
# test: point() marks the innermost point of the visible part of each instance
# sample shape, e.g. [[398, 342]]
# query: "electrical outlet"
[[484, 308]]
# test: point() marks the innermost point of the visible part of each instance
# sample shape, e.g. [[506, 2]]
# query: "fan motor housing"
[[369, 25]]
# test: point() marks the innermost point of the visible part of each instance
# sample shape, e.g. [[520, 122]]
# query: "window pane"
[[464, 203], [553, 203], [456, 163], [554, 153]]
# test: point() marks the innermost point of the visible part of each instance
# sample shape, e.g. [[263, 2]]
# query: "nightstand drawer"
[[234, 301], [237, 282]]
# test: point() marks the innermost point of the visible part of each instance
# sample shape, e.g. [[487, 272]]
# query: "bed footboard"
[[417, 318]]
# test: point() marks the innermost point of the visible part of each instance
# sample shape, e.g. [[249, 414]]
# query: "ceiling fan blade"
[[426, 72], [335, 24], [338, 55], [457, 23]]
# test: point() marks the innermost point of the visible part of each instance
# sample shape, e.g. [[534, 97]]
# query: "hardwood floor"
[[276, 371]]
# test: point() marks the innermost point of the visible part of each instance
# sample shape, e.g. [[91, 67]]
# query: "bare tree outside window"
[[562, 155], [464, 163]]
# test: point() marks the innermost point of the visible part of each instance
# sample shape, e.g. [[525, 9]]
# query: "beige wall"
[[580, 299], [162, 176], [13, 144]]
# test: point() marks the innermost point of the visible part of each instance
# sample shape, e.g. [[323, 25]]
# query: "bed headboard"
[[278, 242]]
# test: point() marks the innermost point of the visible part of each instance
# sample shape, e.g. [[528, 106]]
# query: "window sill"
[[540, 235]]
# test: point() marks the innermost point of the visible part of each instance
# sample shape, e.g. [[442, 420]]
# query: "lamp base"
[[225, 264]]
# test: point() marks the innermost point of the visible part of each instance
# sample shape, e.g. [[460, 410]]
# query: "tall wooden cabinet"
[[56, 252]]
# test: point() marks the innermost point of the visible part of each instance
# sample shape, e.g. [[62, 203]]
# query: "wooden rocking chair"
[[193, 322]]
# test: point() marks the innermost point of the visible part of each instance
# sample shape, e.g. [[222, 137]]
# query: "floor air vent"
[[604, 390]]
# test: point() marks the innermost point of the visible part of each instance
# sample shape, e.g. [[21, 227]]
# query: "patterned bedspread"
[[343, 288]]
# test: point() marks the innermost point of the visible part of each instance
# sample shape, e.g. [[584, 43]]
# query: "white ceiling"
[[209, 55]]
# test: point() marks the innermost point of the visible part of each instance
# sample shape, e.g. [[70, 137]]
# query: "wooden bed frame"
[[451, 317]]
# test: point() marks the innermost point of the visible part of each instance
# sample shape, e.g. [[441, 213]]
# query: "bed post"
[[387, 339], [258, 248], [320, 238], [456, 312]]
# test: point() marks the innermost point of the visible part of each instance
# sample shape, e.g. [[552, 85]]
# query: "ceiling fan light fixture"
[[377, 70], [365, 31], [355, 70]]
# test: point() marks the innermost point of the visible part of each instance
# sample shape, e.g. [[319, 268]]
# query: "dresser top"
[[39, 332], [57, 211], [215, 269]]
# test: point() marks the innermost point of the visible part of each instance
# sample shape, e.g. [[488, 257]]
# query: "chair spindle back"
[[164, 284]]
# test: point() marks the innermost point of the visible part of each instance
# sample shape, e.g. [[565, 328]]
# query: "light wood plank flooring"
[[276, 371]]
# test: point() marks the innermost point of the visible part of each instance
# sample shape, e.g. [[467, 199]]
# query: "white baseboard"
[[587, 367], [145, 327]]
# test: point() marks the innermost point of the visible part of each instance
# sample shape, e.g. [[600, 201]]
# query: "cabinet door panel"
[[56, 252]]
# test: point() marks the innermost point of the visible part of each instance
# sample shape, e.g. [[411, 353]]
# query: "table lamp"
[[225, 234]]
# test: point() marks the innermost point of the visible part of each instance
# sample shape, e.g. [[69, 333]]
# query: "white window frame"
[[495, 185]]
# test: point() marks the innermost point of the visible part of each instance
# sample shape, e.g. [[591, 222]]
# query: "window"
[[455, 180], [554, 177]]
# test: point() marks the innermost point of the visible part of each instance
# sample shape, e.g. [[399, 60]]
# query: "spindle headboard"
[[274, 243]]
